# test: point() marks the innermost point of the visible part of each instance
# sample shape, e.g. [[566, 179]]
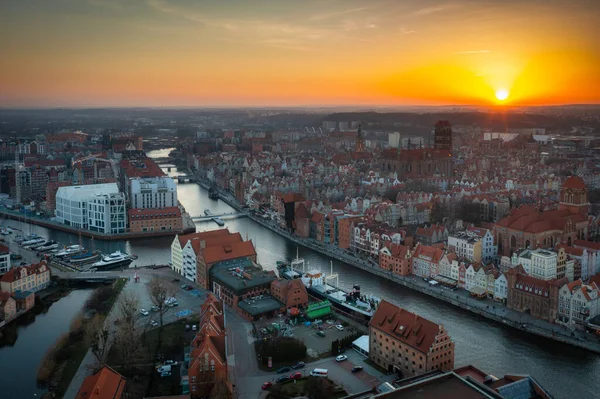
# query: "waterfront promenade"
[[460, 298]]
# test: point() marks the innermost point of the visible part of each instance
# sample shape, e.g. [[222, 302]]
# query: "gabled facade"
[[208, 353], [425, 260], [31, 278], [578, 303], [395, 258]]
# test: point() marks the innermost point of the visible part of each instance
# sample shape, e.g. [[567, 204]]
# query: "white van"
[[319, 373]]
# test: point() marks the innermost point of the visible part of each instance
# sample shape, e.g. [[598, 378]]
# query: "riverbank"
[[94, 234], [484, 308]]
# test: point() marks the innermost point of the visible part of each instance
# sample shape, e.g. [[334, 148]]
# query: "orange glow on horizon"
[[194, 54]]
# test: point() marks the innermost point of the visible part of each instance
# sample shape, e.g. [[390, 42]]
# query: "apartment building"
[[153, 192], [578, 303], [163, 219], [72, 205], [4, 259], [107, 214], [405, 343], [30, 278], [474, 243]]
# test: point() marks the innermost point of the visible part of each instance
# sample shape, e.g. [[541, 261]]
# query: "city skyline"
[[160, 53]]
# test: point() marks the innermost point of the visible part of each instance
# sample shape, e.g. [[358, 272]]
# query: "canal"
[[22, 351], [563, 370]]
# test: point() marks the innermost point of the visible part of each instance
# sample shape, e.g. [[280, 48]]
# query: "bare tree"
[[100, 339], [160, 292], [129, 345], [128, 306]]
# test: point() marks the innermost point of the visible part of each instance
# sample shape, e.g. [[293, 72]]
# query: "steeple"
[[360, 140]]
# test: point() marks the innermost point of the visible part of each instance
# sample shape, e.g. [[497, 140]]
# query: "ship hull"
[[339, 305], [114, 265]]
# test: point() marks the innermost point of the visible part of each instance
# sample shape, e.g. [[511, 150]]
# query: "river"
[[563, 370], [19, 363]]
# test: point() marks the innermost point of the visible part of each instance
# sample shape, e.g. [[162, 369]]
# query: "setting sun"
[[501, 94]]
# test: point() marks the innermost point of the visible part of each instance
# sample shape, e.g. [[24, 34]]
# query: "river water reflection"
[[20, 360]]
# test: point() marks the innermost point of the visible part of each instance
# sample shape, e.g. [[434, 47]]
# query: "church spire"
[[360, 140]]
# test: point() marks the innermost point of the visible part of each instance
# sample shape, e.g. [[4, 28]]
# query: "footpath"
[[460, 298]]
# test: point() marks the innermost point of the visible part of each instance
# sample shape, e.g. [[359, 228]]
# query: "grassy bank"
[[63, 360]]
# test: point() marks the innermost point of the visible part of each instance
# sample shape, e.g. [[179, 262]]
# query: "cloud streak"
[[472, 52], [323, 16], [434, 9]]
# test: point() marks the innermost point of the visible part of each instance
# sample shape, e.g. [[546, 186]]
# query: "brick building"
[[527, 227], [220, 249], [163, 219], [292, 293], [106, 383], [245, 287], [403, 342], [208, 354], [534, 296], [395, 258]]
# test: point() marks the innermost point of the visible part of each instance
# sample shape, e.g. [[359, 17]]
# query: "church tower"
[[360, 140], [573, 196], [443, 136]]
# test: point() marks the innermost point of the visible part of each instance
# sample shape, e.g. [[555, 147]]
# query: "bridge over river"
[[222, 216]]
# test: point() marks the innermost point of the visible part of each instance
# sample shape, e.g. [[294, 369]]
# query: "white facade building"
[[501, 289], [177, 256], [107, 213], [153, 192], [475, 243], [4, 260], [539, 263], [578, 303], [72, 203]]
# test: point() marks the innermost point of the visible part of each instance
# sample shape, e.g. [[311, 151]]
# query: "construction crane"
[[97, 157]]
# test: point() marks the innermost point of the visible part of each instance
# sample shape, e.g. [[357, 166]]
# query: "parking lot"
[[317, 339]]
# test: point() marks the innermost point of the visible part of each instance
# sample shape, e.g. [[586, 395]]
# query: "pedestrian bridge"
[[222, 216], [92, 277]]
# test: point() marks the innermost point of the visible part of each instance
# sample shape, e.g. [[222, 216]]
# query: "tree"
[[221, 390], [128, 338], [128, 306], [159, 292], [99, 338], [318, 388]]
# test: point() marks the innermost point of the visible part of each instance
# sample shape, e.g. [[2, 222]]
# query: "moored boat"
[[114, 260], [33, 242], [70, 250], [84, 257]]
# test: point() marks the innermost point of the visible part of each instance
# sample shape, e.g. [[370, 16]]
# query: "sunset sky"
[[94, 53]]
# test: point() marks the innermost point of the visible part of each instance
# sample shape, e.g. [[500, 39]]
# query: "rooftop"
[[240, 279], [85, 192], [105, 384], [259, 306]]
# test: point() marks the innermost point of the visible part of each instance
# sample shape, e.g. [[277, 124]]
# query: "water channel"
[[22, 351], [563, 370]]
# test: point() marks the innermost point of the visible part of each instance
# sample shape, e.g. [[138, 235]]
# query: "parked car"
[[296, 375], [169, 362], [154, 308], [285, 369], [189, 288], [267, 385], [321, 333], [341, 358], [340, 327], [165, 374], [184, 286], [264, 331], [194, 327], [154, 323], [356, 369], [187, 327], [299, 365], [281, 379], [144, 312]]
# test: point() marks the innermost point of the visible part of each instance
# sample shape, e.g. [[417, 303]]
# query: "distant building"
[[153, 192], [149, 220], [527, 227], [107, 214], [540, 263], [443, 135], [533, 296], [403, 342], [476, 244], [30, 278], [106, 383], [72, 204], [4, 259], [292, 293], [425, 260], [578, 303], [395, 258]]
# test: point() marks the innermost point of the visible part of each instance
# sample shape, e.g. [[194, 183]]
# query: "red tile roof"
[[105, 384], [236, 250], [203, 235], [145, 167], [405, 326], [4, 249], [574, 182]]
